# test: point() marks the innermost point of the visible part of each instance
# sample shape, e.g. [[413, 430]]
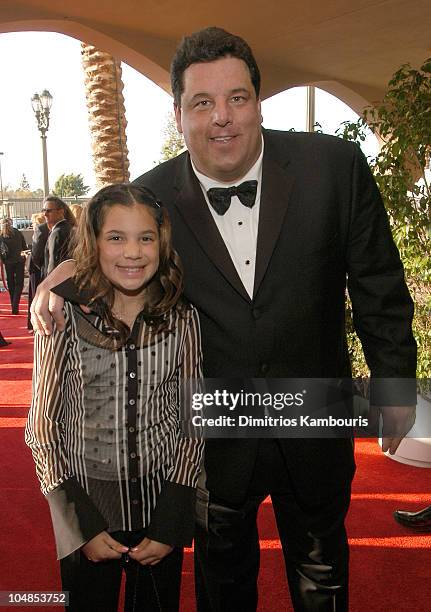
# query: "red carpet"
[[390, 568]]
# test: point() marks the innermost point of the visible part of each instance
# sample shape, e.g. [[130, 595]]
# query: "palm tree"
[[106, 114]]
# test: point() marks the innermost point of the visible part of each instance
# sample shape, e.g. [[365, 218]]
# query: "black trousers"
[[34, 279], [15, 283], [313, 539], [95, 587]]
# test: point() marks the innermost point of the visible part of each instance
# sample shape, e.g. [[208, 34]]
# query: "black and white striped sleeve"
[[75, 518], [45, 424]]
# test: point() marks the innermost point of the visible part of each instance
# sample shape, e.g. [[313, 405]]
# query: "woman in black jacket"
[[12, 243]]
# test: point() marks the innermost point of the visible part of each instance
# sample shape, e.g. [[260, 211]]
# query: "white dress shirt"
[[239, 225]]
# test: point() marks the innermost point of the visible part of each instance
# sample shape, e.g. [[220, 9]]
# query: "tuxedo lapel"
[[191, 204], [276, 187]]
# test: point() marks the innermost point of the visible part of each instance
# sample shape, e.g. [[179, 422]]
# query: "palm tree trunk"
[[106, 115]]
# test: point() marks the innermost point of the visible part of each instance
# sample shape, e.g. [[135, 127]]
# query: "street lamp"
[[1, 180], [41, 105]]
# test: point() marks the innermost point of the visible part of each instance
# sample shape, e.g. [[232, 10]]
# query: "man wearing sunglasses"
[[60, 222]]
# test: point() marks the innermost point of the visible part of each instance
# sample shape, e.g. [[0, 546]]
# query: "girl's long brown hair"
[[165, 288]]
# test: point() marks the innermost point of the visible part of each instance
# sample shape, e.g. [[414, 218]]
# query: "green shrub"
[[403, 123]]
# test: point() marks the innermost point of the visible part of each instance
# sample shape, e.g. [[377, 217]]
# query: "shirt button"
[[264, 368], [132, 374], [132, 402], [132, 455], [135, 502], [131, 429], [247, 262], [256, 312], [133, 479], [132, 347]]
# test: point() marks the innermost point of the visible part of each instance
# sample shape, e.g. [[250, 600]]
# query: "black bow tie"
[[220, 197]]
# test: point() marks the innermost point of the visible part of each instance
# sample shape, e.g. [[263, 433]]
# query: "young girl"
[[104, 424]]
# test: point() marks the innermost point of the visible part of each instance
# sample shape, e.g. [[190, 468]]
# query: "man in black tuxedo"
[[60, 222], [268, 275], [40, 236], [37, 260]]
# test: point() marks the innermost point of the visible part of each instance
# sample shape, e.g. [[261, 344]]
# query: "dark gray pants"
[[15, 283], [313, 539]]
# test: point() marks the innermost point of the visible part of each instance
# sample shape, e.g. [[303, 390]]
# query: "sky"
[[33, 61]]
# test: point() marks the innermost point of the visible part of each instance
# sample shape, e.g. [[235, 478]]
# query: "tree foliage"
[[69, 186], [22, 192], [403, 123], [173, 142]]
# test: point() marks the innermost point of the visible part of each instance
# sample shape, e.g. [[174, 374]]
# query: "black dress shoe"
[[418, 521], [3, 342]]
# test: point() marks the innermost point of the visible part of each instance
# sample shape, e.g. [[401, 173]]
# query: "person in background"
[[60, 222], [37, 257], [76, 210], [104, 424], [12, 247]]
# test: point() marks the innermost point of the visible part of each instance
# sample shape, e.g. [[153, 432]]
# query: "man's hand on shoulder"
[[47, 306]]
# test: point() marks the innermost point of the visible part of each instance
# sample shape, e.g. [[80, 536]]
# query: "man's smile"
[[223, 140]]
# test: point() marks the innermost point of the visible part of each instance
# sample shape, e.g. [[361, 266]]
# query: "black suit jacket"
[[322, 225], [57, 246], [40, 236]]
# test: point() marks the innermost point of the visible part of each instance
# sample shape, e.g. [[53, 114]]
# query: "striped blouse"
[[104, 427]]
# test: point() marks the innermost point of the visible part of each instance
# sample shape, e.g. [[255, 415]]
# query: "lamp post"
[[1, 180], [41, 105], [311, 108], [3, 210]]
